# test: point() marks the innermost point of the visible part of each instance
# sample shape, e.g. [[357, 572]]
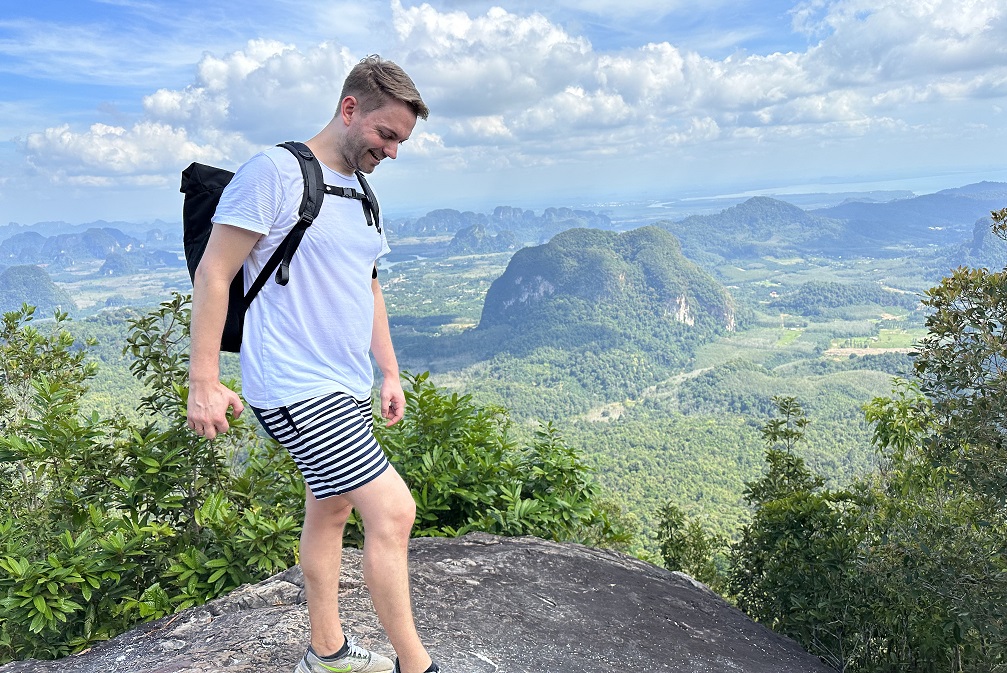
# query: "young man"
[[305, 367]]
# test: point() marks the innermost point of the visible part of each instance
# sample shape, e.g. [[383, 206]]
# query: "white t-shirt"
[[311, 336]]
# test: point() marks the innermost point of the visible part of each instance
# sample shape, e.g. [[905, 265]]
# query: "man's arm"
[[393, 400], [208, 397]]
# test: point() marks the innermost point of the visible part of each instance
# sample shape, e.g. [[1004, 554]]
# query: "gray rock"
[[483, 604]]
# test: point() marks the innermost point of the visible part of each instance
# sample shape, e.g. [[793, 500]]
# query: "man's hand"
[[393, 400], [208, 404]]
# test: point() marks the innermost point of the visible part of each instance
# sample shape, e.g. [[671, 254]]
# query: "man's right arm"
[[209, 399]]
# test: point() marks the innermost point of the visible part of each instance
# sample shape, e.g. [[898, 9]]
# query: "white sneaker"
[[356, 660]]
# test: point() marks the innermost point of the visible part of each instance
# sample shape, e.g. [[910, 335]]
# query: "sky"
[[566, 102]]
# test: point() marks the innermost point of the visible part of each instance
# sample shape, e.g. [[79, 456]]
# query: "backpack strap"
[[370, 204], [366, 199], [311, 204]]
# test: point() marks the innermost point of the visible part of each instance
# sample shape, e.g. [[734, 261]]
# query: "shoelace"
[[355, 650]]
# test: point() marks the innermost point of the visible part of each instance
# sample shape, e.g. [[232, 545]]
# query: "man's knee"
[[395, 519], [326, 515]]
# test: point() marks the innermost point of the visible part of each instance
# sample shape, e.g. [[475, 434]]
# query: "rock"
[[483, 604]]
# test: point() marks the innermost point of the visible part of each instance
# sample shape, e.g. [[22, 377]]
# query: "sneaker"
[[432, 668], [356, 660]]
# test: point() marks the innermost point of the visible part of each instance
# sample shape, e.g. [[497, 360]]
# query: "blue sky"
[[571, 102]]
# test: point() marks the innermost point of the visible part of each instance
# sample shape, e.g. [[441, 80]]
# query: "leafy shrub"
[[106, 522]]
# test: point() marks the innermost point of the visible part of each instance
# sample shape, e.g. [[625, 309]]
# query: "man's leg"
[[321, 556], [388, 512]]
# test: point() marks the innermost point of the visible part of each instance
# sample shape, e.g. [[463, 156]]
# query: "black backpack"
[[202, 186]]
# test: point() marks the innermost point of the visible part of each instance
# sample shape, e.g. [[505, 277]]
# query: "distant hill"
[[168, 230], [64, 250], [121, 251], [479, 239], [125, 263], [940, 218], [524, 224], [588, 285], [760, 226], [984, 250], [817, 297], [27, 284]]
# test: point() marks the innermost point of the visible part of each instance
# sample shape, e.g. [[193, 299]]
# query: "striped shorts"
[[331, 440]]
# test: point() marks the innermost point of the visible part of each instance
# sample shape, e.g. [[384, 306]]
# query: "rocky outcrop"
[[483, 604]]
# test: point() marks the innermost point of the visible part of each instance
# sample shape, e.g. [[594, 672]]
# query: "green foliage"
[[467, 473], [792, 566], [962, 368], [903, 571], [687, 547], [27, 354], [106, 522]]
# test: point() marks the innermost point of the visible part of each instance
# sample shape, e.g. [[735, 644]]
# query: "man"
[[305, 367]]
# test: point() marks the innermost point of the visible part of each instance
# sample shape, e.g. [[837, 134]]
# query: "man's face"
[[375, 135]]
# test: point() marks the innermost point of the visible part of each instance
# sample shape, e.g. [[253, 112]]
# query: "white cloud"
[[265, 88], [478, 66], [105, 155], [510, 89]]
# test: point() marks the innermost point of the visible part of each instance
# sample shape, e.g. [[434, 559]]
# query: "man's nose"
[[391, 149]]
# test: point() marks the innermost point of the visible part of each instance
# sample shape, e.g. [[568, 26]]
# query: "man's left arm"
[[393, 400]]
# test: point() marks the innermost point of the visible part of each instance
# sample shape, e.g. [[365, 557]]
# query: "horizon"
[[642, 212], [577, 103]]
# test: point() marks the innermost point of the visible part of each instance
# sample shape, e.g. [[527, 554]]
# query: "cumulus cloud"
[[517, 89], [236, 104], [105, 154]]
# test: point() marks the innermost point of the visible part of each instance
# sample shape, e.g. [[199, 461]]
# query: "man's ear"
[[347, 108]]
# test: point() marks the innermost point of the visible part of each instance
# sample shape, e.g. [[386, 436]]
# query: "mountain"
[[590, 317], [587, 285], [25, 247], [27, 284], [525, 224], [136, 229], [66, 249], [442, 221], [479, 239], [984, 250], [936, 219], [758, 227], [122, 253]]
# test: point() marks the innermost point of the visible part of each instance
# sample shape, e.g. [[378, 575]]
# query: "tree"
[[794, 564], [685, 546]]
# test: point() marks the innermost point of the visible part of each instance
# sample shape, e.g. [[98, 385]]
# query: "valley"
[[663, 408]]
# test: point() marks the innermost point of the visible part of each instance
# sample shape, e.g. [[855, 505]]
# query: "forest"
[[762, 417]]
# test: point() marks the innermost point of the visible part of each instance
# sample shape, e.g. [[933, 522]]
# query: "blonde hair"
[[374, 81]]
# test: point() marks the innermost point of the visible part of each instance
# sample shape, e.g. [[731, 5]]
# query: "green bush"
[[105, 522]]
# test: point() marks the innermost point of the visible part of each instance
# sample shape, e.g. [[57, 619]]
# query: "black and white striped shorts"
[[331, 440]]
